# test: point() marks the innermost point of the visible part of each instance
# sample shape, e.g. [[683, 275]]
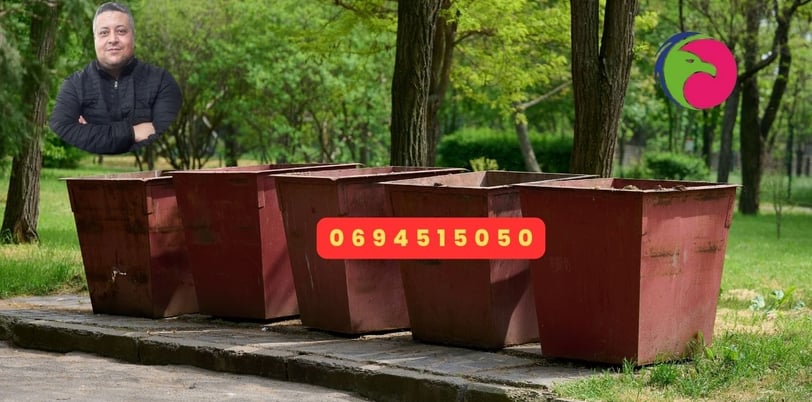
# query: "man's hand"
[[143, 131]]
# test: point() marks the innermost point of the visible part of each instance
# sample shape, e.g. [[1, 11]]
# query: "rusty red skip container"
[[132, 243], [343, 296], [483, 304], [237, 247], [632, 268]]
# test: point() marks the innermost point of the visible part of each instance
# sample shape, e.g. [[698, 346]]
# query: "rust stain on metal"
[[663, 253], [708, 248]]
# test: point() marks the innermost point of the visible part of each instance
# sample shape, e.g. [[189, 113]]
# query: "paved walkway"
[[380, 367], [35, 376]]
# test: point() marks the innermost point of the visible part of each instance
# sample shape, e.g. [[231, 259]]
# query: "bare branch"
[[480, 32], [521, 107]]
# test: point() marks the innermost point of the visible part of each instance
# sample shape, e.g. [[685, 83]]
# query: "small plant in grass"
[[777, 188], [663, 375], [775, 301]]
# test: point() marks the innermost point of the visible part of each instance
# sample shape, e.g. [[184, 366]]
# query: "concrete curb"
[[387, 369]]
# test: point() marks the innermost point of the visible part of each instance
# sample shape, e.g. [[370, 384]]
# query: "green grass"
[[756, 259], [773, 364], [802, 191], [55, 264]]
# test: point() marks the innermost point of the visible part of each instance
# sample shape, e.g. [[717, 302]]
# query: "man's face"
[[114, 40]]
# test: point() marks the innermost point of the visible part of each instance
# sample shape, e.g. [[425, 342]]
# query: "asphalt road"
[[27, 375]]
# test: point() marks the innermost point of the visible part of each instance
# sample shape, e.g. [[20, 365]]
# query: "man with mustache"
[[117, 103]]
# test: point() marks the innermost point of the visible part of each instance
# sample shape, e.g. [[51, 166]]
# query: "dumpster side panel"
[[322, 295], [683, 249], [113, 230], [280, 296], [485, 304], [369, 282], [446, 298], [222, 234], [132, 246], [173, 287], [586, 285]]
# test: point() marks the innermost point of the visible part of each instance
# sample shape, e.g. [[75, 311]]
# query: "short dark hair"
[[113, 6]]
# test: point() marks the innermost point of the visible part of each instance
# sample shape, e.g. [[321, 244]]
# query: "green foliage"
[[483, 164], [499, 66], [669, 166], [18, 64], [458, 149], [292, 81], [12, 125], [58, 154]]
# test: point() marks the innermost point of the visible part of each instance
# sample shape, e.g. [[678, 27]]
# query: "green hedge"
[[458, 149], [670, 166]]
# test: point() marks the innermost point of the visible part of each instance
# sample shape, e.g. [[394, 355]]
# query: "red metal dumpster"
[[632, 268], [132, 243], [343, 296], [237, 248], [486, 304]]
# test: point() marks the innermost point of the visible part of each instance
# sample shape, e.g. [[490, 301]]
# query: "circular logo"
[[695, 71]]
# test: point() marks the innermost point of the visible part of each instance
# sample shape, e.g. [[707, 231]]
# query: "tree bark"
[[600, 74], [710, 122], [442, 56], [520, 121], [726, 142], [751, 144], [528, 155], [417, 22], [755, 132], [22, 206]]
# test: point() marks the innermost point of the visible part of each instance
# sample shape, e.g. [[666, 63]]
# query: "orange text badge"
[[396, 238]]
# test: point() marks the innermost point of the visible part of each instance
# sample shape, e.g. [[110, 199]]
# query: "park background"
[[291, 81]]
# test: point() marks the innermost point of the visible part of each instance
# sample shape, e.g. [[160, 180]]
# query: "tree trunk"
[[528, 155], [231, 147], [755, 132], [417, 21], [751, 144], [752, 148], [520, 121], [22, 205], [599, 70], [726, 142], [441, 59], [709, 123]]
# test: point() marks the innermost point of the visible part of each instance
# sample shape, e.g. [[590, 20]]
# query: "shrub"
[[458, 149], [58, 154], [676, 166], [669, 166]]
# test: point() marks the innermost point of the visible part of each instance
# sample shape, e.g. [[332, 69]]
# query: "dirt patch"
[[754, 322], [744, 295]]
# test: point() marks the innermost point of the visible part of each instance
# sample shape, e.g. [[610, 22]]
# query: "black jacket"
[[142, 93]]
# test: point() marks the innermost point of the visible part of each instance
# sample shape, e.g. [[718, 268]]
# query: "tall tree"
[[442, 57], [754, 131], [22, 207], [417, 23], [13, 124], [601, 61]]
